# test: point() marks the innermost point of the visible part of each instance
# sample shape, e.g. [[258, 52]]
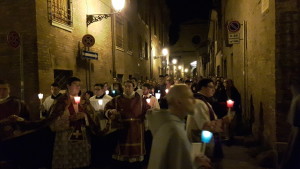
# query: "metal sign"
[[13, 39], [234, 36], [88, 40], [234, 26], [90, 55], [233, 41]]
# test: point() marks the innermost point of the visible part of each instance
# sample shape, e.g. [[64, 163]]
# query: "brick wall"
[[287, 59], [20, 16], [251, 63]]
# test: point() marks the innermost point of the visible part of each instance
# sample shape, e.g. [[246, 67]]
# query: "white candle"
[[148, 100], [40, 95], [157, 95], [100, 102], [77, 99], [107, 92], [167, 91]]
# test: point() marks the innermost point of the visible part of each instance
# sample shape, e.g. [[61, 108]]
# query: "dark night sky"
[[181, 11]]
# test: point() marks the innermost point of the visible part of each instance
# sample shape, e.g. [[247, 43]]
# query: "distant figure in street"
[[171, 148], [291, 159]]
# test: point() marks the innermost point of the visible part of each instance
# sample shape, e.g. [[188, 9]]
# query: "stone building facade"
[[261, 61], [51, 50]]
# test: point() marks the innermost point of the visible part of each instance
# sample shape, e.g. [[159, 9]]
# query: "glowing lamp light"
[[40, 95], [157, 95], [167, 91], [113, 92], [165, 52], [107, 92], [100, 102], [118, 4], [206, 136], [148, 100], [77, 99], [186, 70], [230, 103], [174, 61], [179, 67]]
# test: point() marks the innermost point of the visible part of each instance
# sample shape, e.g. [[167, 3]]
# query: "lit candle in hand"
[[148, 100], [230, 103], [40, 95], [77, 99], [167, 91], [157, 95], [100, 102], [206, 136], [106, 92]]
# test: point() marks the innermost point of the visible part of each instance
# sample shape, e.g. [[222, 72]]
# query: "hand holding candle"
[[77, 99], [100, 102], [157, 95], [107, 92], [230, 103], [148, 100]]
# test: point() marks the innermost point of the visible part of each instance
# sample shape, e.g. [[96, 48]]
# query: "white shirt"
[[94, 102], [198, 119], [171, 148], [99, 116], [48, 103]]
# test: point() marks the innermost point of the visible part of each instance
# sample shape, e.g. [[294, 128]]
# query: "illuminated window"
[[60, 12]]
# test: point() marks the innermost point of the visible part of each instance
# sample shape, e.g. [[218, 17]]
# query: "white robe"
[[99, 114], [170, 147], [48, 103]]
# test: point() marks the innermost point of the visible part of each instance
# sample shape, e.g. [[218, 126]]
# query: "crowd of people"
[[134, 125]]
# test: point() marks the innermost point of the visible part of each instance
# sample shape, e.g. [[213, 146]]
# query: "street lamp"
[[174, 61], [164, 52], [118, 6]]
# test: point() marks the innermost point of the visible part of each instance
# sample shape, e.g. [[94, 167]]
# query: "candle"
[[40, 95], [77, 99], [106, 92], [100, 102], [230, 103], [167, 91], [148, 100], [206, 136], [113, 92], [157, 95]]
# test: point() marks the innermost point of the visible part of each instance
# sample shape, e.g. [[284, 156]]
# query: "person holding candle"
[[205, 118], [171, 148], [127, 113], [47, 104], [70, 120], [99, 91], [237, 123]]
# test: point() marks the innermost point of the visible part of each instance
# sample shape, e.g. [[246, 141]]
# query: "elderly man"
[[171, 148], [128, 110]]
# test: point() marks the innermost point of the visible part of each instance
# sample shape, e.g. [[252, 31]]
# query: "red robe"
[[131, 143]]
